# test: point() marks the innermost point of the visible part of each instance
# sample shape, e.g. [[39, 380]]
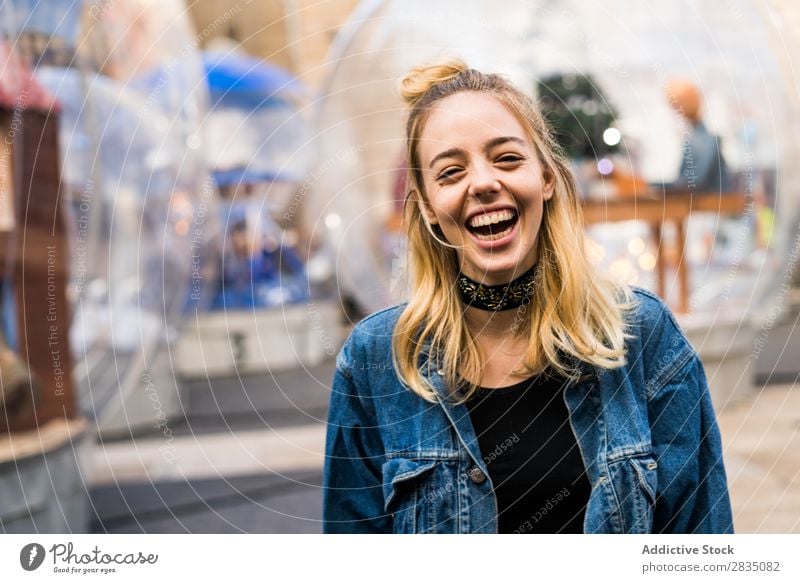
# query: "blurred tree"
[[579, 114]]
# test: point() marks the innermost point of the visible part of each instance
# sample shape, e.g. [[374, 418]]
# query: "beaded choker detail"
[[497, 298]]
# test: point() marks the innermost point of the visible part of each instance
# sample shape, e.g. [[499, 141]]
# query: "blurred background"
[[200, 198]]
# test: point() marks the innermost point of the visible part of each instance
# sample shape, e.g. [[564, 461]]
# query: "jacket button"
[[476, 475], [440, 372]]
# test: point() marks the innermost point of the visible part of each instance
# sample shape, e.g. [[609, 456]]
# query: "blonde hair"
[[575, 315]]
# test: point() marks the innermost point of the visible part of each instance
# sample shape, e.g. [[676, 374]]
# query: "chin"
[[493, 269]]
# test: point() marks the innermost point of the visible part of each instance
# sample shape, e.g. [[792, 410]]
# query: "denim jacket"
[[647, 434]]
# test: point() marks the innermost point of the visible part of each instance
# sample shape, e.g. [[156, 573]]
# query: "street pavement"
[[247, 457]]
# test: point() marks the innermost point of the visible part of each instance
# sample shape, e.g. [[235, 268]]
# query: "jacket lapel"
[[458, 415]]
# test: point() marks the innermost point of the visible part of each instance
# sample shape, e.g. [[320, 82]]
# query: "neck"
[[495, 326]]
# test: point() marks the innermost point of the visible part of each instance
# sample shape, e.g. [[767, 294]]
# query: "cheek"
[[531, 226], [446, 208], [534, 216]]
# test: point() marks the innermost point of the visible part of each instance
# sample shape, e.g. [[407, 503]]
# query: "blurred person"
[[703, 167], [518, 390], [238, 255]]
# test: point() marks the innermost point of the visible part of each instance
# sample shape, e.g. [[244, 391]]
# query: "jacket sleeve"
[[692, 486], [352, 478]]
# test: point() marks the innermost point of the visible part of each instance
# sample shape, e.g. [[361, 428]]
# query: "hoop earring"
[[434, 235], [428, 225]]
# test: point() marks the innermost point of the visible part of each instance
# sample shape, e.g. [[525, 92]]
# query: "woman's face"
[[485, 185]]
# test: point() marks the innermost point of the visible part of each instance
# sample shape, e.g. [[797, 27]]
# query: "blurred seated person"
[[237, 256], [703, 167], [250, 259]]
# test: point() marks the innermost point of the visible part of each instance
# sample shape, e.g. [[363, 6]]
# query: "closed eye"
[[510, 158], [448, 173]]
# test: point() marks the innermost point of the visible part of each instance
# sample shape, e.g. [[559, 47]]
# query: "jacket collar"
[[431, 362], [430, 367]]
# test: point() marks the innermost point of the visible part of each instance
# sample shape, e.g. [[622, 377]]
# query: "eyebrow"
[[493, 143]]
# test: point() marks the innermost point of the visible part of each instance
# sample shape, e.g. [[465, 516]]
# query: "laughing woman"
[[518, 391]]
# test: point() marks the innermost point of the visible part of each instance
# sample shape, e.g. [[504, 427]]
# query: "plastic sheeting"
[[140, 202]]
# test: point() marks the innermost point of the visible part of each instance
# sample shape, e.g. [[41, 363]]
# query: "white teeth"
[[491, 218], [495, 236]]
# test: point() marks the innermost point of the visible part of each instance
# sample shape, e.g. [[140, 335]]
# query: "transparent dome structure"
[[140, 201], [627, 52]]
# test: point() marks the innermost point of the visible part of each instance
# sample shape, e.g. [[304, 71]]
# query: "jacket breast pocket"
[[635, 481], [418, 494]]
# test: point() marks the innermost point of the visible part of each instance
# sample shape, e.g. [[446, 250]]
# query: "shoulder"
[[651, 315], [380, 321], [370, 339], [657, 342]]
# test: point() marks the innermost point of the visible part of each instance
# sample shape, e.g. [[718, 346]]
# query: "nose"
[[483, 180]]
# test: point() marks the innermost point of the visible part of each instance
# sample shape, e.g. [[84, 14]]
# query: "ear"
[[548, 183], [424, 207]]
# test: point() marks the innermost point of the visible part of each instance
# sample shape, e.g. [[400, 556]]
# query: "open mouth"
[[493, 227]]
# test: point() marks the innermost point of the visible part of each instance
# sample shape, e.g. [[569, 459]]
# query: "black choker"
[[497, 298]]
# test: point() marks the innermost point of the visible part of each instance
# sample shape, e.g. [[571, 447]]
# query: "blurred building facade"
[[295, 34]]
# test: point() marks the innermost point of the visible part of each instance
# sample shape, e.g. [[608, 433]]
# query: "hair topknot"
[[420, 79]]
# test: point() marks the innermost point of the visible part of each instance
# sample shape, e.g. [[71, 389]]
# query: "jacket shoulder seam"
[[665, 375], [654, 388], [664, 308], [344, 358], [378, 313]]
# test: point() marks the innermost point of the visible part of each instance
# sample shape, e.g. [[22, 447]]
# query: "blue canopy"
[[255, 128], [243, 81]]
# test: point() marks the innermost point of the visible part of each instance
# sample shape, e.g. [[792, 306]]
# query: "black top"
[[532, 456]]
